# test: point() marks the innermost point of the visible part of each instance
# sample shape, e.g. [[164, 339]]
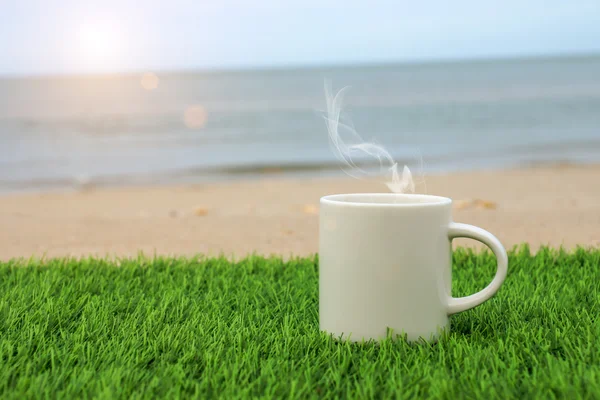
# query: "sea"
[[68, 132]]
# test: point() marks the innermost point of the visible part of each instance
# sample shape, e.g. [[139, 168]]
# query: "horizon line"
[[258, 68]]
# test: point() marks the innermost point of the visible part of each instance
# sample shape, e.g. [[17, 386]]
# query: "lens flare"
[[149, 81], [195, 116]]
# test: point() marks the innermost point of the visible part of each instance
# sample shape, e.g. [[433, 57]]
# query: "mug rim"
[[416, 200]]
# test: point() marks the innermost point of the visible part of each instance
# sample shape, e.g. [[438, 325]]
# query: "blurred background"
[[150, 92]]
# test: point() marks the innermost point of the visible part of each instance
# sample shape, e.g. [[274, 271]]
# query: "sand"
[[558, 205]]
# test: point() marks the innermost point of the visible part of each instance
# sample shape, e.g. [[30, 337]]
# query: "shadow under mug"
[[385, 263]]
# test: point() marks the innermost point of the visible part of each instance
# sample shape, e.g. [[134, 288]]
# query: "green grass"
[[211, 328]]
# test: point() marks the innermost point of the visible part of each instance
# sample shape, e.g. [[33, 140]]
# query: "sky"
[[83, 36]]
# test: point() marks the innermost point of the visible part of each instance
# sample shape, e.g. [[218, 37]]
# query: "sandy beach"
[[558, 205]]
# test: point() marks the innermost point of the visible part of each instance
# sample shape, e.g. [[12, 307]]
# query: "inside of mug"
[[387, 198]]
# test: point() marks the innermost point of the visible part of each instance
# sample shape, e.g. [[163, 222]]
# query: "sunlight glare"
[[99, 45]]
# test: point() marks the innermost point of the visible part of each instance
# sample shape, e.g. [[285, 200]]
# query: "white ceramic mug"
[[385, 263]]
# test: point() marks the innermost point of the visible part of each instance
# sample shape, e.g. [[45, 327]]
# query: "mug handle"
[[456, 230]]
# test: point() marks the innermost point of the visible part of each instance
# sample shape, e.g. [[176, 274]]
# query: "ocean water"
[[62, 132]]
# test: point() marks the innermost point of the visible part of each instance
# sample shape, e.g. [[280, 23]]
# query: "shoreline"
[[543, 205], [252, 173]]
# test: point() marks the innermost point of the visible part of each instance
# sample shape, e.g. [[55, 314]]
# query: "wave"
[[439, 164]]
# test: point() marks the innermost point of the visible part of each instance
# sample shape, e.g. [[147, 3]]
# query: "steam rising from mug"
[[347, 145]]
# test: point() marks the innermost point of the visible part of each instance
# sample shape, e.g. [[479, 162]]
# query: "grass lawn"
[[209, 328]]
